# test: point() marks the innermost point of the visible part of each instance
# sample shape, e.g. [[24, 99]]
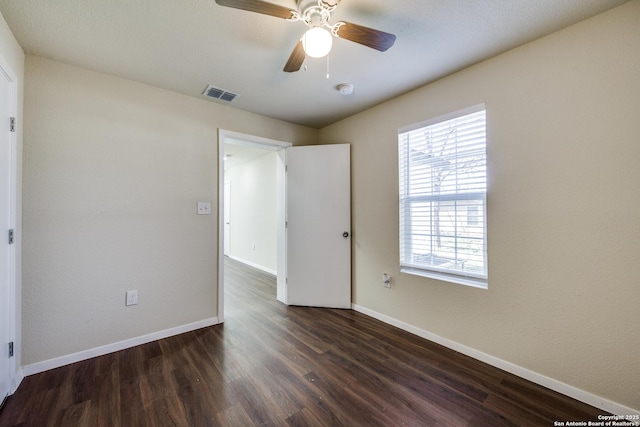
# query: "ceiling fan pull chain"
[[327, 66]]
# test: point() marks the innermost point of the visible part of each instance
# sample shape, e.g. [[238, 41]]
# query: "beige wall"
[[253, 212], [113, 169], [563, 208], [13, 56], [112, 173]]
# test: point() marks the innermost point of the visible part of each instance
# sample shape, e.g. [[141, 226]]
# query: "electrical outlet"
[[204, 208], [386, 280], [132, 298]]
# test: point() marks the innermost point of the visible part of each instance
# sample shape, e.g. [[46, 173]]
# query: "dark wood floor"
[[275, 365]]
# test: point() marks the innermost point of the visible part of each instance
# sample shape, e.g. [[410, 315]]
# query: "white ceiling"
[[184, 45]]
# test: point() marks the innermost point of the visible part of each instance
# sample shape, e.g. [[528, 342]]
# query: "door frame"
[[227, 136], [7, 73], [226, 216]]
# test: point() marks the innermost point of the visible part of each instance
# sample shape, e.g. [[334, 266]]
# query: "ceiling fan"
[[316, 41]]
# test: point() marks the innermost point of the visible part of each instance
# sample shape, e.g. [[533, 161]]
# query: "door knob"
[[345, 234]]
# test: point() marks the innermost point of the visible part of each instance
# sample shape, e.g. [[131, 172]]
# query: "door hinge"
[[12, 124], [11, 349], [11, 236]]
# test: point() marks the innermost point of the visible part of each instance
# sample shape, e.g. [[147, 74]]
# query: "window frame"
[[478, 280]]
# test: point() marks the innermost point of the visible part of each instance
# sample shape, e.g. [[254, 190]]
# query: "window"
[[443, 186], [473, 215]]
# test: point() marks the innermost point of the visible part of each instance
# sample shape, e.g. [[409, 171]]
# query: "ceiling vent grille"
[[221, 94]]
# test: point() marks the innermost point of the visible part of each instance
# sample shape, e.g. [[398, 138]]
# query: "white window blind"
[[443, 187]]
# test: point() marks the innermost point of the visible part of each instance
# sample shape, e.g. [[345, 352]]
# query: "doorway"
[[244, 148]]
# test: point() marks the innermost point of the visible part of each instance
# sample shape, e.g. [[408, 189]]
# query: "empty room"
[[319, 213]]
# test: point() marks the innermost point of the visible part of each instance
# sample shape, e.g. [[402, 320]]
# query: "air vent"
[[221, 94]]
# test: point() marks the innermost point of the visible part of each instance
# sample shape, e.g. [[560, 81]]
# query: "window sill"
[[460, 280]]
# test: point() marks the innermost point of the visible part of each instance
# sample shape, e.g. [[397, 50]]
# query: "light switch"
[[204, 208]]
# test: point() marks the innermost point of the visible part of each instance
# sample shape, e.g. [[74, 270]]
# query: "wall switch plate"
[[204, 208], [132, 298]]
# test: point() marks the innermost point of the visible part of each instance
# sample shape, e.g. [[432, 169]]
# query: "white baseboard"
[[254, 265], [45, 365], [560, 387]]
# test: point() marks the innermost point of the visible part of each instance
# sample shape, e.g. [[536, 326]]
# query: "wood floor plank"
[[130, 410], [273, 365], [77, 415], [234, 416], [314, 403], [306, 418], [106, 399], [259, 406]]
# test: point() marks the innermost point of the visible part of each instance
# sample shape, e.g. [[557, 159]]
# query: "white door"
[[319, 226], [227, 217], [5, 225]]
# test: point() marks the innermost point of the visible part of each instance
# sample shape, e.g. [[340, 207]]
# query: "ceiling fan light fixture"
[[317, 42]]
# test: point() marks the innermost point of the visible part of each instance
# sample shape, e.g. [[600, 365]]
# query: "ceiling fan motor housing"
[[315, 13], [306, 4]]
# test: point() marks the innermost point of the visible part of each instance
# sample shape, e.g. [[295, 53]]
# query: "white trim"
[[560, 387], [16, 373], [17, 380], [247, 140], [447, 277], [220, 287], [254, 265], [57, 362], [281, 227], [226, 219]]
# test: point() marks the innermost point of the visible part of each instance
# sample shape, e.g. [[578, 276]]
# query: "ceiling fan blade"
[[374, 39], [296, 59], [258, 6]]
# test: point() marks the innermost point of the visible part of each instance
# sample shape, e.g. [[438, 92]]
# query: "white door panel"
[[319, 226]]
